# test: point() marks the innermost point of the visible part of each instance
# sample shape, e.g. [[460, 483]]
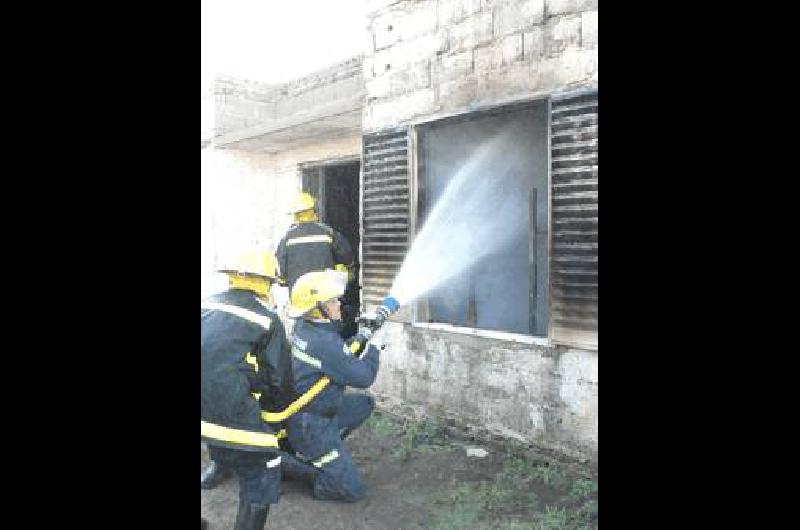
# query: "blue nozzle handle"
[[391, 303]]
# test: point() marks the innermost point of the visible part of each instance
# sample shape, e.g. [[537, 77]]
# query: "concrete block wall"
[[545, 396], [207, 115], [241, 104], [245, 195], [236, 191], [431, 58], [427, 58]]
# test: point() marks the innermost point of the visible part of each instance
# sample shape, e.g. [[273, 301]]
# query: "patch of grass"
[[588, 511], [582, 488], [511, 501], [471, 504], [554, 518], [551, 475], [382, 425], [423, 435], [516, 469], [493, 496], [467, 505], [563, 518], [515, 524]]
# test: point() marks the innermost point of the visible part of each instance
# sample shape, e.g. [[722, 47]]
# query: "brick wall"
[[433, 57]]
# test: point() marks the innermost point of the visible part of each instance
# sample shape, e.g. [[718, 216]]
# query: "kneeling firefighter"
[[323, 366], [245, 366]]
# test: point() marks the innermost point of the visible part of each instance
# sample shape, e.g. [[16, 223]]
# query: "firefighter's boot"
[[251, 517], [212, 476]]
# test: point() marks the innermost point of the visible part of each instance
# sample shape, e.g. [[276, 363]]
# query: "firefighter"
[[321, 358], [310, 245], [245, 366]]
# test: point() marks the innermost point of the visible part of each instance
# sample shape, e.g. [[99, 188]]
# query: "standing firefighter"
[[245, 366], [310, 245], [322, 367]]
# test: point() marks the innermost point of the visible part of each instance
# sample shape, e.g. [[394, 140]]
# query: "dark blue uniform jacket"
[[317, 350], [312, 246], [231, 346]]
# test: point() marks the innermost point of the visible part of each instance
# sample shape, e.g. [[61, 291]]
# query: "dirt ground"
[[418, 476]]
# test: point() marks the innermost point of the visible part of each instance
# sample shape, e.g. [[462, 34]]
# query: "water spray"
[[473, 218]]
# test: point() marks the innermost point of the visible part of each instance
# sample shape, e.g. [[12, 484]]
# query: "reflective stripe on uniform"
[[309, 239], [299, 403], [251, 360], [237, 436], [306, 358], [251, 316], [274, 462], [324, 459]]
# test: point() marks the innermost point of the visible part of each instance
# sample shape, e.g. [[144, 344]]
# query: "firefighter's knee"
[[346, 488]]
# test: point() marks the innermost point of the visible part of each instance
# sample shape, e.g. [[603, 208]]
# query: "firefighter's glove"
[[378, 339]]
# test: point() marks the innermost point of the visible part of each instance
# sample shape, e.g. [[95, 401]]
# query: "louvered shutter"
[[385, 206], [573, 249]]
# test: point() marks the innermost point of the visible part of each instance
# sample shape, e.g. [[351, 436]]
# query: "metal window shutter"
[[574, 221], [385, 206]]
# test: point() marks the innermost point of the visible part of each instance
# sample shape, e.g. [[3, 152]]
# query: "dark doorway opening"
[[335, 186]]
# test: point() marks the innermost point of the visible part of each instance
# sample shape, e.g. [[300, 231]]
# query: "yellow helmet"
[[303, 202], [313, 287], [260, 263]]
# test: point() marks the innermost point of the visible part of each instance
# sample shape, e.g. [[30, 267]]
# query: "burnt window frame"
[[416, 313], [420, 312]]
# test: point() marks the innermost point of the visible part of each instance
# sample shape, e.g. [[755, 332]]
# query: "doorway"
[[335, 186]]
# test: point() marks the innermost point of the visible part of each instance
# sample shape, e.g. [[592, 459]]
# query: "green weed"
[[582, 489], [517, 525], [550, 475], [562, 518], [516, 469], [554, 518], [467, 505], [513, 492], [423, 435], [382, 425]]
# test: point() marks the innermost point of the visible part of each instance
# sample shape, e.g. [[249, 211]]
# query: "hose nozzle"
[[370, 324], [389, 306]]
